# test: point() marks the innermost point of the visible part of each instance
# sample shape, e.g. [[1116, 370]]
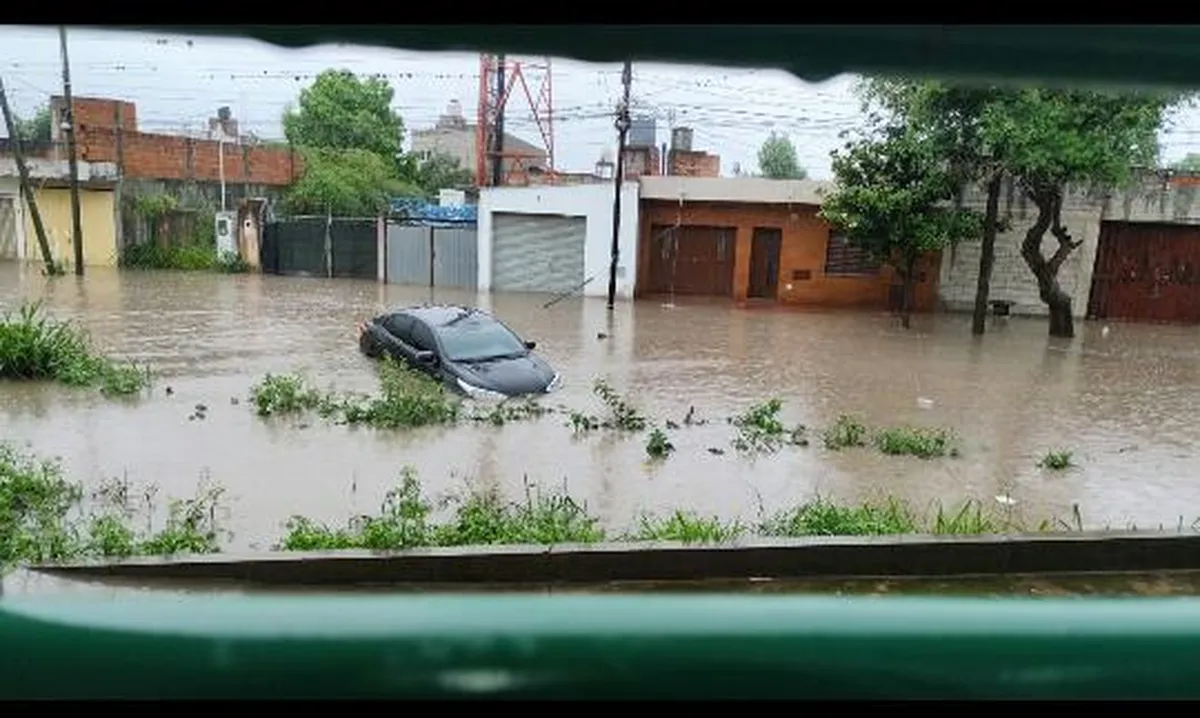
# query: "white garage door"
[[537, 253]]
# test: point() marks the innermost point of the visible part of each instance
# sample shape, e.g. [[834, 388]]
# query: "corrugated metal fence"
[[432, 255], [321, 247]]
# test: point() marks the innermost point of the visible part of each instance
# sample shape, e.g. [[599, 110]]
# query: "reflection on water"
[[1121, 400]]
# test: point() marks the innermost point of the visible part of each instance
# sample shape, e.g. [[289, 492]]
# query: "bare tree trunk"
[[987, 255], [1049, 204]]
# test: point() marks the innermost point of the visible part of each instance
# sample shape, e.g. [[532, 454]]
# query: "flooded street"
[[1122, 400]]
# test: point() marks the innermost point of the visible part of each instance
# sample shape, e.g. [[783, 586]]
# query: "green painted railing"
[[599, 647]]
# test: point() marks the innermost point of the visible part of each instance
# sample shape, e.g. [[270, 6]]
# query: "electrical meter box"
[[225, 233]]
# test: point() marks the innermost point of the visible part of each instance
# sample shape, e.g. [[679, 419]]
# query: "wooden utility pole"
[[623, 123], [69, 121], [26, 188]]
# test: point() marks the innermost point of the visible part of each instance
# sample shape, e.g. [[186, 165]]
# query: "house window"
[[843, 258]]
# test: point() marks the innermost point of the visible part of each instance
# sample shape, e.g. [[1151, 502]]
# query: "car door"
[[424, 341], [396, 337]]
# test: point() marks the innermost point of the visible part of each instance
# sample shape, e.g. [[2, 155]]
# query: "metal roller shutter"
[[537, 253]]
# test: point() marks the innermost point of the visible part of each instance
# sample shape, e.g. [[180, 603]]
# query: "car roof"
[[440, 315]]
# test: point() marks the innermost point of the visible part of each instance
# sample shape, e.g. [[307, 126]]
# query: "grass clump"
[[187, 257], [510, 410], [621, 414], [846, 432], [34, 347], [761, 430], [541, 518], [1057, 460], [284, 394], [44, 519], [687, 527], [822, 517], [918, 442], [480, 519], [658, 446], [406, 399]]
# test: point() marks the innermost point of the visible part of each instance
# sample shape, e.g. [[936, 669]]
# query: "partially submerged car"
[[466, 349]]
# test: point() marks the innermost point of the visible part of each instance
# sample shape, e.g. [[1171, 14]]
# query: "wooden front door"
[[764, 263]]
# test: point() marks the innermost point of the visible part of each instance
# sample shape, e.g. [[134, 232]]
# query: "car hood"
[[514, 377]]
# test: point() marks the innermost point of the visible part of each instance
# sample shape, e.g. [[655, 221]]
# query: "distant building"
[[455, 137]]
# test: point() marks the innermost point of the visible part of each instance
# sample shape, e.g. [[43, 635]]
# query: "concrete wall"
[[1011, 279], [10, 188], [190, 193], [97, 212], [592, 202], [1157, 197], [804, 244]]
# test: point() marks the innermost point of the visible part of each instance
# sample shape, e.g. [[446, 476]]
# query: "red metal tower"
[[499, 78]]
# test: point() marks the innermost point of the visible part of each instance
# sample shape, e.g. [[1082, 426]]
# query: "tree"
[[36, 128], [340, 111], [1049, 140], [777, 159], [441, 171], [350, 139], [892, 199], [1046, 140], [953, 116], [344, 183]]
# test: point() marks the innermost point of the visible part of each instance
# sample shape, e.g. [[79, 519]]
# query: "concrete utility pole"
[[26, 188], [623, 123], [72, 161]]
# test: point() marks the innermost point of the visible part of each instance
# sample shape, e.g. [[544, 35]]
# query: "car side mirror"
[[531, 345], [427, 358]]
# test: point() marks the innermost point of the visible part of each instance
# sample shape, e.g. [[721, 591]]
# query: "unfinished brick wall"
[[97, 112], [146, 155], [683, 163], [642, 162], [106, 131]]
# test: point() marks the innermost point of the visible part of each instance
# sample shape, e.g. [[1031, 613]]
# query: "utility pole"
[[72, 161], [623, 123], [26, 188], [498, 141]]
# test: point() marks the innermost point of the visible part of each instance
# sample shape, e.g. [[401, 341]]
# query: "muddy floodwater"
[[1122, 397]]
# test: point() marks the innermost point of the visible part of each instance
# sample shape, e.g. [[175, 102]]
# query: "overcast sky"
[[177, 82]]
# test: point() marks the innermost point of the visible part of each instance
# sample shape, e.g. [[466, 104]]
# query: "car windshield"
[[478, 338]]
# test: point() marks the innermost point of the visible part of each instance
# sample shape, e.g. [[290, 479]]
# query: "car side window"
[[422, 338], [399, 326]]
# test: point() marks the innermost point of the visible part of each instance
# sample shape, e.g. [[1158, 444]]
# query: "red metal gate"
[[1147, 272]]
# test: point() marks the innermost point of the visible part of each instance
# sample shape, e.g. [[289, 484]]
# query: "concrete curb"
[[816, 557]]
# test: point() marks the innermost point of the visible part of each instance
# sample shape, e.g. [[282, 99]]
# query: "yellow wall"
[[96, 211]]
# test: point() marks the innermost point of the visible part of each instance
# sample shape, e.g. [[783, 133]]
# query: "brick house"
[[757, 240]]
